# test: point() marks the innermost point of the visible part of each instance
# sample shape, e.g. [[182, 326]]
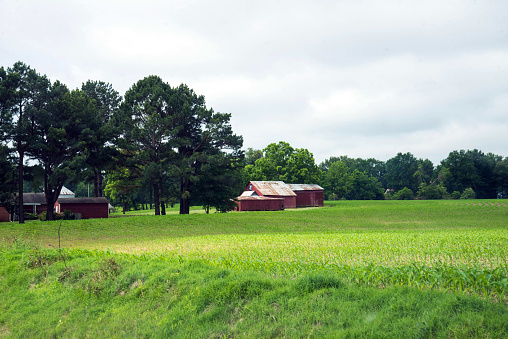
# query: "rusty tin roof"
[[273, 188], [257, 197], [305, 187]]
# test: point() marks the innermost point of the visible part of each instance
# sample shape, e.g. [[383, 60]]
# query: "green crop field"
[[352, 268]]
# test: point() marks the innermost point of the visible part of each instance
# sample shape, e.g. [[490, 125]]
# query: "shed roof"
[[273, 188], [305, 187], [249, 194], [34, 198], [66, 191], [99, 200]]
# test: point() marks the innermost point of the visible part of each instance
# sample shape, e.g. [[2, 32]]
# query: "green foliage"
[[7, 177], [60, 145], [456, 195], [344, 180], [337, 180], [400, 172], [430, 191], [501, 174], [281, 162], [177, 141], [468, 193], [472, 169], [404, 194], [364, 187], [103, 132]]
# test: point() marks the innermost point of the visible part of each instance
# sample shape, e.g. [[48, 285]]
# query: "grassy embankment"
[[381, 268]]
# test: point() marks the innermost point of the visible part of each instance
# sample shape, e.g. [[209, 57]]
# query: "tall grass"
[[361, 268]]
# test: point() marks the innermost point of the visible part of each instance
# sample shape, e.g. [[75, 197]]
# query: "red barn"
[[274, 189], [257, 203], [84, 208], [308, 195]]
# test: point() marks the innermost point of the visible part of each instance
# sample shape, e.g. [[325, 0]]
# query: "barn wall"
[[309, 198], [289, 201], [260, 205], [88, 211], [39, 208]]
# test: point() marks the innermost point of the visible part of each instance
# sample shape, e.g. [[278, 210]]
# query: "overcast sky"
[[360, 78]]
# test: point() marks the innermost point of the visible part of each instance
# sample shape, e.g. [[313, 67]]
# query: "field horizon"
[[439, 252]]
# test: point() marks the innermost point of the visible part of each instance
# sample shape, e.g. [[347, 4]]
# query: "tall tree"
[[364, 187], [220, 179], [251, 155], [28, 95], [6, 103], [149, 127], [201, 133], [104, 130], [471, 169], [7, 178], [400, 172], [62, 131], [501, 173], [337, 180]]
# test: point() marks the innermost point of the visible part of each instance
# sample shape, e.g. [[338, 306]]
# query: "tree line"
[[464, 173], [160, 145], [157, 139]]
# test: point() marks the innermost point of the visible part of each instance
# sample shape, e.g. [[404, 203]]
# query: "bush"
[[431, 191], [404, 194], [31, 216], [468, 194], [56, 216], [456, 195], [68, 215]]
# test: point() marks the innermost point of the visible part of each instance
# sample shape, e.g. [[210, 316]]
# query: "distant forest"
[[160, 145]]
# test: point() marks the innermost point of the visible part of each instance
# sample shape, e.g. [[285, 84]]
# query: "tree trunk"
[[151, 197], [50, 206], [97, 183], [51, 198], [124, 204], [156, 199], [184, 206], [163, 208], [20, 187], [184, 200]]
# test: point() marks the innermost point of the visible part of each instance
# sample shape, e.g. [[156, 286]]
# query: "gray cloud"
[[362, 78]]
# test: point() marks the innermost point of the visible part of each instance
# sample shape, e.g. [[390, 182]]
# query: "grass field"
[[352, 268]]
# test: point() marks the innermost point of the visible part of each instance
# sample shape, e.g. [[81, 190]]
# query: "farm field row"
[[437, 242], [412, 261]]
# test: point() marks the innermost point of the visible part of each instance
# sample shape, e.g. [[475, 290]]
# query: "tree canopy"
[[282, 162]]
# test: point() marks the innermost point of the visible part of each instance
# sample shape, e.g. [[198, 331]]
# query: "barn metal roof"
[[273, 188], [34, 198], [66, 191], [257, 197], [305, 187], [249, 194]]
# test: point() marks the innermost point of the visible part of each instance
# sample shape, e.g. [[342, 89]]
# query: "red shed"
[[308, 195], [4, 214], [257, 203], [85, 208], [274, 189]]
